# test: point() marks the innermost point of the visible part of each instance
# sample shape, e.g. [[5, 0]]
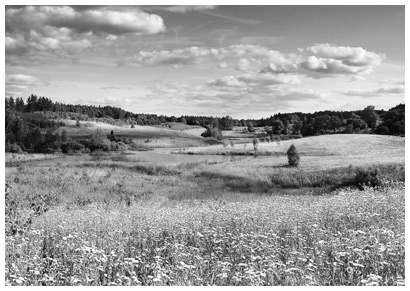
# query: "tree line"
[[26, 119]]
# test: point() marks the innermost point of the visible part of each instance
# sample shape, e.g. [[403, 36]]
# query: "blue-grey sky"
[[243, 61]]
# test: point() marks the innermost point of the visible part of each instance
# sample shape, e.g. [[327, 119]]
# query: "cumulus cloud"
[[351, 56], [15, 46], [243, 65], [97, 21], [241, 57], [223, 65], [38, 33], [21, 79], [378, 92], [253, 83], [325, 60], [177, 58], [19, 84], [319, 61]]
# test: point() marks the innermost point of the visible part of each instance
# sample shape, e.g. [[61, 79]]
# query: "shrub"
[[255, 144], [370, 177], [293, 156], [212, 132], [382, 130]]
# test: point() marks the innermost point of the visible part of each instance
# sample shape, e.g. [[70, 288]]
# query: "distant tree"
[[334, 123], [226, 123], [112, 137], [255, 144], [382, 130], [99, 141], [34, 139], [250, 126], [297, 126], [370, 116], [49, 138], [349, 128], [19, 104], [277, 126], [322, 123], [293, 156], [64, 136], [78, 123], [285, 130], [214, 132], [357, 124]]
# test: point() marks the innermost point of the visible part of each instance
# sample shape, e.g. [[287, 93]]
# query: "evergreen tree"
[[293, 156]]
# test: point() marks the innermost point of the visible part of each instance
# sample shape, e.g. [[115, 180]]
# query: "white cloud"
[[98, 21], [357, 79], [253, 83], [15, 46], [39, 33], [327, 59], [318, 61], [241, 57], [19, 84], [223, 65], [21, 79], [177, 58], [243, 65], [352, 56], [186, 8], [378, 92]]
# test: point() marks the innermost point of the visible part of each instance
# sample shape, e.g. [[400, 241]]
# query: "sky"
[[242, 61]]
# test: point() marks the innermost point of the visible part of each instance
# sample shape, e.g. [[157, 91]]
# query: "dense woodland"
[[32, 125]]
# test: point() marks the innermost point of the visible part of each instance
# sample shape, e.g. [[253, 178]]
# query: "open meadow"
[[204, 145], [210, 214]]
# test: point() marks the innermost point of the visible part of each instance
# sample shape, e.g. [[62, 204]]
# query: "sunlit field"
[[156, 218]]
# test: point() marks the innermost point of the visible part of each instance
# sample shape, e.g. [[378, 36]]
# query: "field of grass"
[[179, 135], [156, 218], [11, 158]]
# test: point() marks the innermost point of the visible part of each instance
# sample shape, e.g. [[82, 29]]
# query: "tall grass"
[[349, 238], [122, 222], [288, 178]]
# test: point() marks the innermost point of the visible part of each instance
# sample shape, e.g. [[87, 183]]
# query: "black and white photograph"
[[204, 144]]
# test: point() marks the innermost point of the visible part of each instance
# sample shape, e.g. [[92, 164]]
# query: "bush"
[[293, 156], [370, 177], [255, 144], [212, 132], [382, 130]]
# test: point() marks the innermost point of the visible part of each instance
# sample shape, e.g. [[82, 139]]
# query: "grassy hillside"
[[151, 136]]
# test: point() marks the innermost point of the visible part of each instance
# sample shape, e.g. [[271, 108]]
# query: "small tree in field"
[[255, 144], [293, 156]]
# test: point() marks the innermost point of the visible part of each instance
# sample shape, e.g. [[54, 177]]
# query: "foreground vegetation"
[[115, 222]]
